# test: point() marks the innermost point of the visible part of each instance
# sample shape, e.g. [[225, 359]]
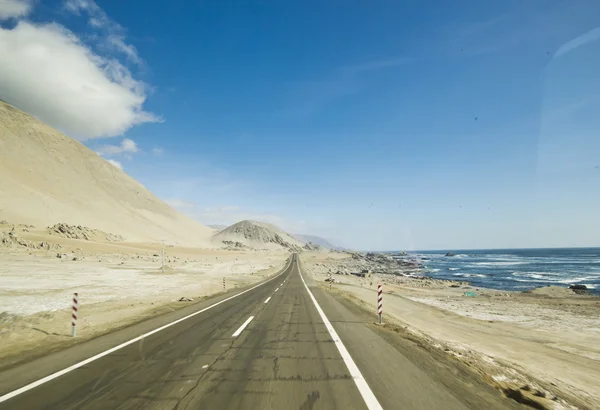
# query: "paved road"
[[269, 348]]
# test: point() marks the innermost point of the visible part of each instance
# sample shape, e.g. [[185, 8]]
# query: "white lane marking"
[[359, 380], [205, 366], [62, 372], [276, 289], [267, 301], [242, 327]]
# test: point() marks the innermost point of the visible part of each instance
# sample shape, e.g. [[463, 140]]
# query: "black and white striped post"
[[74, 314], [223, 284], [379, 301]]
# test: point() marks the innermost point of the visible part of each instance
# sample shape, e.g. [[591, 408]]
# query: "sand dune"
[[48, 178]]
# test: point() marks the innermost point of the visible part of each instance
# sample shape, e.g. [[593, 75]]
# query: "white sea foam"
[[504, 263], [453, 268], [470, 275], [538, 274], [577, 280]]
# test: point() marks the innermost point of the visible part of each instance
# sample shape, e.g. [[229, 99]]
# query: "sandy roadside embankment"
[[540, 343], [118, 284]]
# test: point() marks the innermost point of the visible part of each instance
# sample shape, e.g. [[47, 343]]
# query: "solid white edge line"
[[267, 301], [359, 380], [66, 370], [242, 327]]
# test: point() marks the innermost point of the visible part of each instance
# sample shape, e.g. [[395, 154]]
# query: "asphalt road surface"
[[268, 348]]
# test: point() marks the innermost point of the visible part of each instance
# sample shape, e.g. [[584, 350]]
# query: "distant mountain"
[[316, 240], [256, 235], [217, 227]]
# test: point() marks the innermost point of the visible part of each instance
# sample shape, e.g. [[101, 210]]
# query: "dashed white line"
[[66, 370], [276, 289], [267, 301], [359, 380], [242, 327]]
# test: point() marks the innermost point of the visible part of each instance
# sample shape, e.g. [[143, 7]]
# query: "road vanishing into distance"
[[285, 343]]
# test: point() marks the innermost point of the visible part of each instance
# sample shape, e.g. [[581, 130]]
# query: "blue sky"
[[396, 125]]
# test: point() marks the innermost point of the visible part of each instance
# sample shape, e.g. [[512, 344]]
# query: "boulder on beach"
[[579, 289], [552, 291]]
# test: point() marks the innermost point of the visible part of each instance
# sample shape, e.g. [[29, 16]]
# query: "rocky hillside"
[[257, 235], [48, 178], [313, 247]]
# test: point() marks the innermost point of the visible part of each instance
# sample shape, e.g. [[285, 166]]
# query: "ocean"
[[516, 269]]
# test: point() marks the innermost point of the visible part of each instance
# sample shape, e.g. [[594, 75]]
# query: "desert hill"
[[48, 178], [257, 235]]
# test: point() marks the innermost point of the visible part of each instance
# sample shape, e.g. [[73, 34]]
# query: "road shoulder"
[[19, 374], [402, 372]]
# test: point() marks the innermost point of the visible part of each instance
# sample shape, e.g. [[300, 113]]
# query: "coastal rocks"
[[381, 257], [366, 264], [579, 289], [450, 254]]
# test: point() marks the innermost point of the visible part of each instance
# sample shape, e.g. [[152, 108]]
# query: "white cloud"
[[127, 145], [119, 44], [158, 151], [97, 16], [590, 36], [115, 163], [98, 19], [14, 8], [48, 72]]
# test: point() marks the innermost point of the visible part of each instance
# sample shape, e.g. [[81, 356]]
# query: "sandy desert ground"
[[118, 283], [545, 342]]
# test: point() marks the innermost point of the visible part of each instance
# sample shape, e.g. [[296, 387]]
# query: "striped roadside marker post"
[[74, 314], [379, 301], [223, 284]]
